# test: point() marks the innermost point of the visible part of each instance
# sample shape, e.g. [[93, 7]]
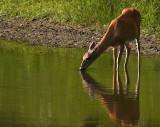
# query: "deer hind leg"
[[128, 50], [138, 49]]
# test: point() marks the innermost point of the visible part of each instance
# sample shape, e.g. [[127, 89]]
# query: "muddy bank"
[[50, 33]]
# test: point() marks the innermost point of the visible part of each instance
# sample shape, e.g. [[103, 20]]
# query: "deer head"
[[90, 56]]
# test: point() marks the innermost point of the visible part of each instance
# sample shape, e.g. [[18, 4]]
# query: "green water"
[[42, 87]]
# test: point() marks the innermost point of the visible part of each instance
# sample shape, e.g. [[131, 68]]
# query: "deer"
[[121, 31]]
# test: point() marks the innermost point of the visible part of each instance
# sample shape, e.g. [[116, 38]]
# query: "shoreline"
[[54, 34]]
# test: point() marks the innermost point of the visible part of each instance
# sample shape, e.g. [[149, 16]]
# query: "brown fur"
[[123, 29]]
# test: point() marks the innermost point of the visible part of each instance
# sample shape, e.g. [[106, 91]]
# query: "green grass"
[[84, 12]]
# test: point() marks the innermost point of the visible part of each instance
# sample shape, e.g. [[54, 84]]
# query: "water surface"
[[43, 87]]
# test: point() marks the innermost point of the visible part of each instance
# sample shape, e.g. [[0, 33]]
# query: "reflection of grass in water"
[[84, 12], [14, 47], [23, 47]]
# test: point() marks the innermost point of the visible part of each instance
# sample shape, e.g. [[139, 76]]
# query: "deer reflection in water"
[[120, 103]]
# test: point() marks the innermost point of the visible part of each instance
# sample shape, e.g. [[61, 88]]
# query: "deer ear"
[[92, 45]]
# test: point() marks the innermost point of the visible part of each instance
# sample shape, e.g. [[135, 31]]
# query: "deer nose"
[[82, 65], [81, 68]]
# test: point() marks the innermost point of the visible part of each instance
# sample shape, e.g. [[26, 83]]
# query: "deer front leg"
[[128, 50], [119, 56], [114, 57], [114, 69], [127, 80]]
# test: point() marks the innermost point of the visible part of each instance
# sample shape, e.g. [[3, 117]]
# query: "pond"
[[43, 87]]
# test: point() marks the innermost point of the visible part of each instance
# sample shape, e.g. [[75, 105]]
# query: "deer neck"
[[105, 42]]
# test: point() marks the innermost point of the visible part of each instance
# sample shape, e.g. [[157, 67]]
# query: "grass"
[[84, 12]]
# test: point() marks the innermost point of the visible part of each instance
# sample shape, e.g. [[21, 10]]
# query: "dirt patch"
[[50, 33]]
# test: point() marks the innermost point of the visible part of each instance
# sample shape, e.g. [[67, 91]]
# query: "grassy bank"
[[84, 12]]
